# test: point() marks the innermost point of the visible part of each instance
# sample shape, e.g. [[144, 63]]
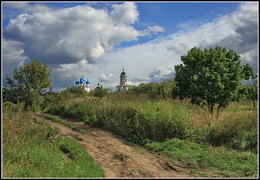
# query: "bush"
[[101, 92], [155, 90], [11, 107]]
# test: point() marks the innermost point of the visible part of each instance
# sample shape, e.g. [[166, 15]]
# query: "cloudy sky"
[[97, 40]]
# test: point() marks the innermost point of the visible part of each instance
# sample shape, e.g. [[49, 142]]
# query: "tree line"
[[210, 78]]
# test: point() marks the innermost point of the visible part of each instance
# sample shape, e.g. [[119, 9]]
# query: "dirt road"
[[117, 157]]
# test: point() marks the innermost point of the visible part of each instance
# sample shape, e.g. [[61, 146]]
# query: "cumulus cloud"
[[73, 34], [105, 77], [124, 13], [13, 56], [179, 48], [26, 7], [65, 75], [160, 74]]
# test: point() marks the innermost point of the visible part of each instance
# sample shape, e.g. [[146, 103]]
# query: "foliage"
[[211, 77], [230, 162], [75, 90], [163, 89], [48, 100], [29, 80], [100, 92]]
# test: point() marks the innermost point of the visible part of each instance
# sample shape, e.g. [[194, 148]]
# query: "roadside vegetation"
[[29, 150], [154, 122]]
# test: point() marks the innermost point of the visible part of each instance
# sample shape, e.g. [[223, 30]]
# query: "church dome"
[[77, 82], [123, 73], [87, 82], [82, 80]]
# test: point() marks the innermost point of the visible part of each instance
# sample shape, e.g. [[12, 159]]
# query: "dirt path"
[[117, 158]]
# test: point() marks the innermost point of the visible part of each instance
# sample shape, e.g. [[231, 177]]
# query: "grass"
[[29, 152], [230, 162], [61, 121], [138, 120], [228, 143]]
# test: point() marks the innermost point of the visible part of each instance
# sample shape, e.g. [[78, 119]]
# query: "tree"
[[100, 92], [29, 81], [211, 77]]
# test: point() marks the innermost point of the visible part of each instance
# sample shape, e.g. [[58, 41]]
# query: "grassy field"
[[28, 150], [160, 123], [175, 128]]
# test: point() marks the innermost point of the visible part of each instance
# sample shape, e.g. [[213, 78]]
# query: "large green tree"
[[211, 77], [28, 82]]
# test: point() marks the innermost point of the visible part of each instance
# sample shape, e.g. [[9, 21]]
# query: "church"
[[85, 84], [122, 85]]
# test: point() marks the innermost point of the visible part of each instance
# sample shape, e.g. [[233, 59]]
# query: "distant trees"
[[163, 89], [211, 77], [28, 84], [100, 92]]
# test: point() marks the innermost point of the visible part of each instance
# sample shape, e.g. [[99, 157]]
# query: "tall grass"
[[29, 150], [138, 120], [142, 118]]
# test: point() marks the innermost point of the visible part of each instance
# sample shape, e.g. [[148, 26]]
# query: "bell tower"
[[123, 78], [122, 85]]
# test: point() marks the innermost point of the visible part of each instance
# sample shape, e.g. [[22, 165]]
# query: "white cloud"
[[26, 6], [105, 77], [72, 34], [65, 75], [13, 56], [162, 73], [179, 48], [151, 30], [124, 13]]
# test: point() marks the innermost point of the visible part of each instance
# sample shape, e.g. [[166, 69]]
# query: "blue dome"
[[87, 82], [82, 80], [77, 82]]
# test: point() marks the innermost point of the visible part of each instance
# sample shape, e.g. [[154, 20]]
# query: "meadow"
[[176, 128]]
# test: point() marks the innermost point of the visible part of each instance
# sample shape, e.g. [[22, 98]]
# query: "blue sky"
[[97, 40]]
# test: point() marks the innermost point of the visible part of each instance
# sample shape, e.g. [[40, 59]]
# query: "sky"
[[97, 40]]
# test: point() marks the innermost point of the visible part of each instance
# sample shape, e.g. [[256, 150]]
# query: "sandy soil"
[[118, 158]]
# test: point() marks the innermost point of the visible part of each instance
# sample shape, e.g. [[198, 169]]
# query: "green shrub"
[[11, 107]]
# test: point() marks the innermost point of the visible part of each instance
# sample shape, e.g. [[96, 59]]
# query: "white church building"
[[85, 84], [123, 85]]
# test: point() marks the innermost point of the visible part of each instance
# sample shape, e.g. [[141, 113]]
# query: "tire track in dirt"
[[118, 159]]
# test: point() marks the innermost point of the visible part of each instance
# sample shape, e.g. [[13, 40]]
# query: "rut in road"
[[117, 158]]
